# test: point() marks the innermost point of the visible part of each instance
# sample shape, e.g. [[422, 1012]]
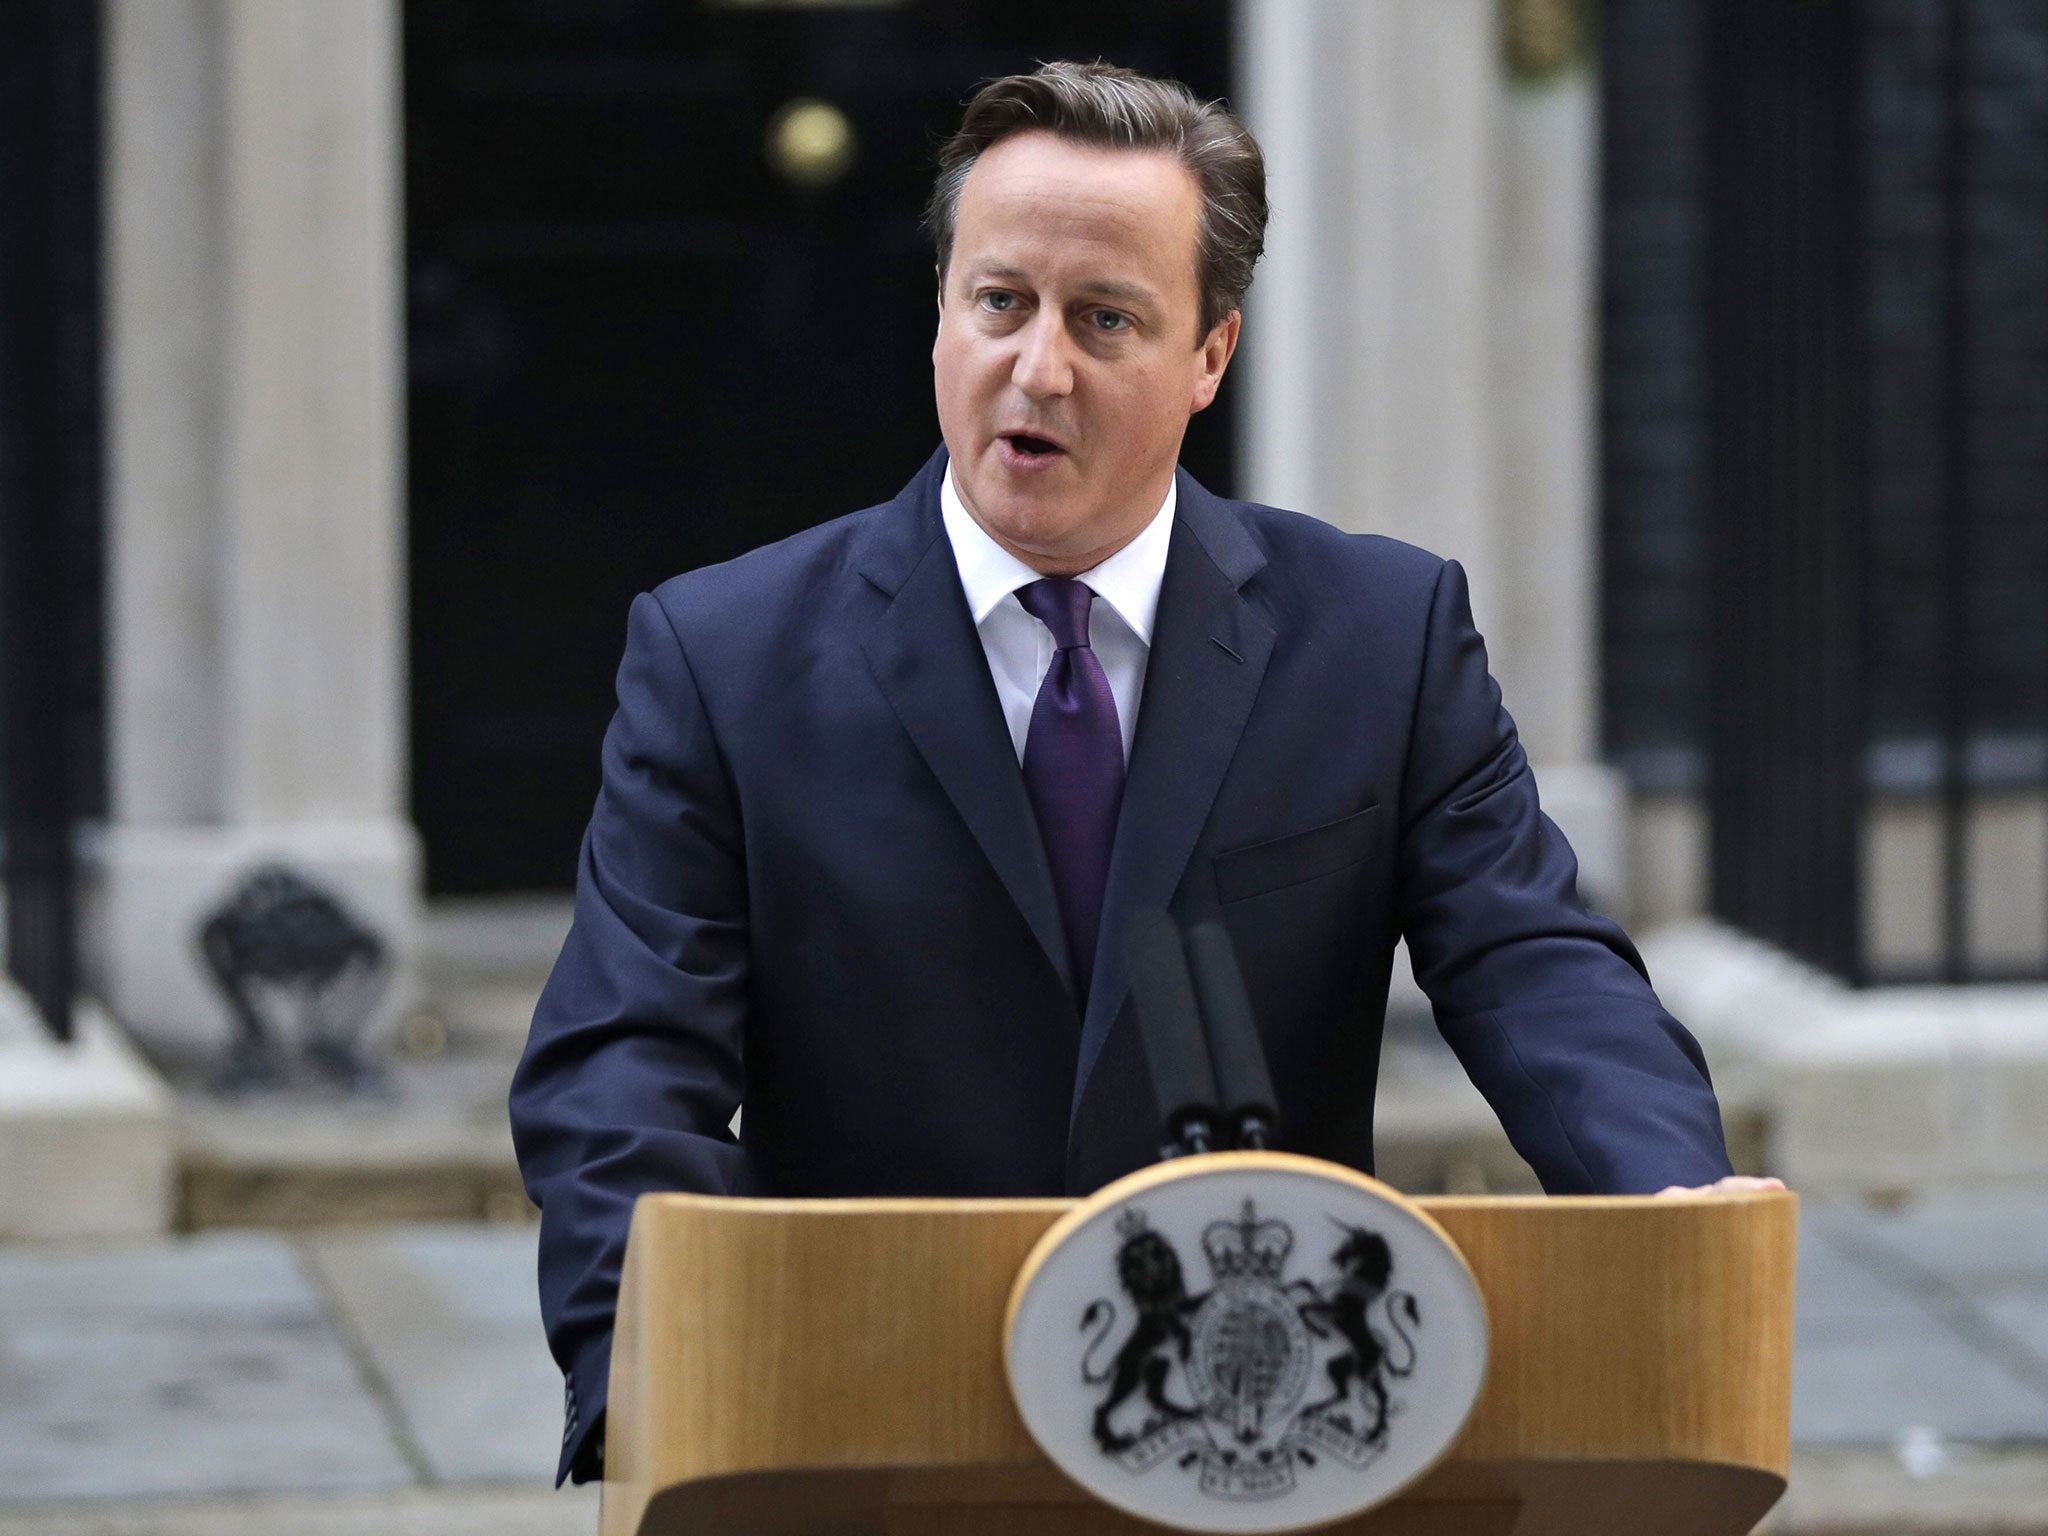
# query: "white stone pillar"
[[1546, 407], [1418, 346], [1370, 406], [1545, 388], [1283, 422], [166, 357], [256, 523]]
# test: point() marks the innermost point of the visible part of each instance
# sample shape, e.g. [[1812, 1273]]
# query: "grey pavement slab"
[[531, 1511], [221, 1274], [2022, 1311], [1930, 1320], [198, 1366], [1841, 1299], [450, 1318], [1872, 1393], [1969, 1239], [1887, 1349]]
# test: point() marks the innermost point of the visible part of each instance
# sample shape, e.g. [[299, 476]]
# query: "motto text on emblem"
[[1242, 1383]]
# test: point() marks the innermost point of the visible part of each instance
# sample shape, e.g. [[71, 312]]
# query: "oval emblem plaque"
[[1248, 1341]]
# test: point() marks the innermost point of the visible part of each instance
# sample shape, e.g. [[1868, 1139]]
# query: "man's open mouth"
[[1031, 447]]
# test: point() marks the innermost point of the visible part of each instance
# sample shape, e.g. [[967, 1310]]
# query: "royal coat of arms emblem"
[[1220, 1381], [1247, 1346]]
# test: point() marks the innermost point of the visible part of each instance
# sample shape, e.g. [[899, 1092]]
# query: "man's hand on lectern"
[[1734, 1184]]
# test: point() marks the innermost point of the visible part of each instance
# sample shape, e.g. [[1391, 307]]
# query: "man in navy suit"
[[880, 800]]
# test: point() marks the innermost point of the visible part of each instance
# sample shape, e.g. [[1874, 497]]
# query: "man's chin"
[[1036, 533], [1013, 504]]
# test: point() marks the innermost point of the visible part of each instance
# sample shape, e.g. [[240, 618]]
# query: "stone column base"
[[85, 1130], [156, 886]]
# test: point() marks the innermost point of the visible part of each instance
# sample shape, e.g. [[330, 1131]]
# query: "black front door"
[[649, 333]]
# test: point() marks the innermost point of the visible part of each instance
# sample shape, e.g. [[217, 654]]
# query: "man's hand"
[[1734, 1184]]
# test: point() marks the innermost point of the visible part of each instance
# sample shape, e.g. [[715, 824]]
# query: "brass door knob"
[[811, 143]]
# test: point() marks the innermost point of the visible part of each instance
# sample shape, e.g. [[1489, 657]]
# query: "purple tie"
[[1074, 765]]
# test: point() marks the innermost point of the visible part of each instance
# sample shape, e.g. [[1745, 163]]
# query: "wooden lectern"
[[804, 1367]]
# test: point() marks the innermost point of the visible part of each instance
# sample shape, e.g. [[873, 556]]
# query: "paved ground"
[[392, 1380]]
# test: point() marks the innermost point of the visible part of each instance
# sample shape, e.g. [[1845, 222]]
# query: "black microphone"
[[1246, 1088], [1171, 1027]]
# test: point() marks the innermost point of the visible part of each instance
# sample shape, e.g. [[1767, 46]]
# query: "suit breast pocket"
[[1298, 857]]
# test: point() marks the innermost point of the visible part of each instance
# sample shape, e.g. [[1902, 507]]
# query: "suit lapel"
[[929, 662], [1209, 655]]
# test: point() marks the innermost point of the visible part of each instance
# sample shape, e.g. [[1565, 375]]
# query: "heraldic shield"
[[1246, 1341]]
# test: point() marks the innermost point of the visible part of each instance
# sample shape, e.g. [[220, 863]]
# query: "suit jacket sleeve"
[[1545, 1003], [633, 1068]]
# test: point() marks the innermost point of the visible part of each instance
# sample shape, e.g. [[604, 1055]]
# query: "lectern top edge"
[[856, 1205], [886, 1205], [1690, 1202]]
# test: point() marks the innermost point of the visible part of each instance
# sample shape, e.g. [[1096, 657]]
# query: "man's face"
[[1067, 362]]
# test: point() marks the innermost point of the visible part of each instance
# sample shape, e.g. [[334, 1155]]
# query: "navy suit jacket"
[[813, 883]]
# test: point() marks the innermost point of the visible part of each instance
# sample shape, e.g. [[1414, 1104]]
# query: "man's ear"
[[1215, 353]]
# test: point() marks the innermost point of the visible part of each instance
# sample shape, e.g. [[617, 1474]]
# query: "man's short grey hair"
[[1115, 108]]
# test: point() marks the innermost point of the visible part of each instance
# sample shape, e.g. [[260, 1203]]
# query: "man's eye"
[[999, 301], [1110, 320]]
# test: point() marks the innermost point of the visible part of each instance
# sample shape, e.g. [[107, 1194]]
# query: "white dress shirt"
[[1020, 649]]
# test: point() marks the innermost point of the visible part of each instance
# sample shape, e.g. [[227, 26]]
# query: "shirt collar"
[[1128, 580]]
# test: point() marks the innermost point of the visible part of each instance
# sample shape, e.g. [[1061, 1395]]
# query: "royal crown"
[[1247, 1248]]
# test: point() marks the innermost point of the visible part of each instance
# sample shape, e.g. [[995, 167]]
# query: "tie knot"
[[1061, 605]]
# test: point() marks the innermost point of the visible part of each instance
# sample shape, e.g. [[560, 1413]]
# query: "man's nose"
[[1045, 366]]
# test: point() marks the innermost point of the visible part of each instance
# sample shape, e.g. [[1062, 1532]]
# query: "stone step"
[[435, 1147]]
